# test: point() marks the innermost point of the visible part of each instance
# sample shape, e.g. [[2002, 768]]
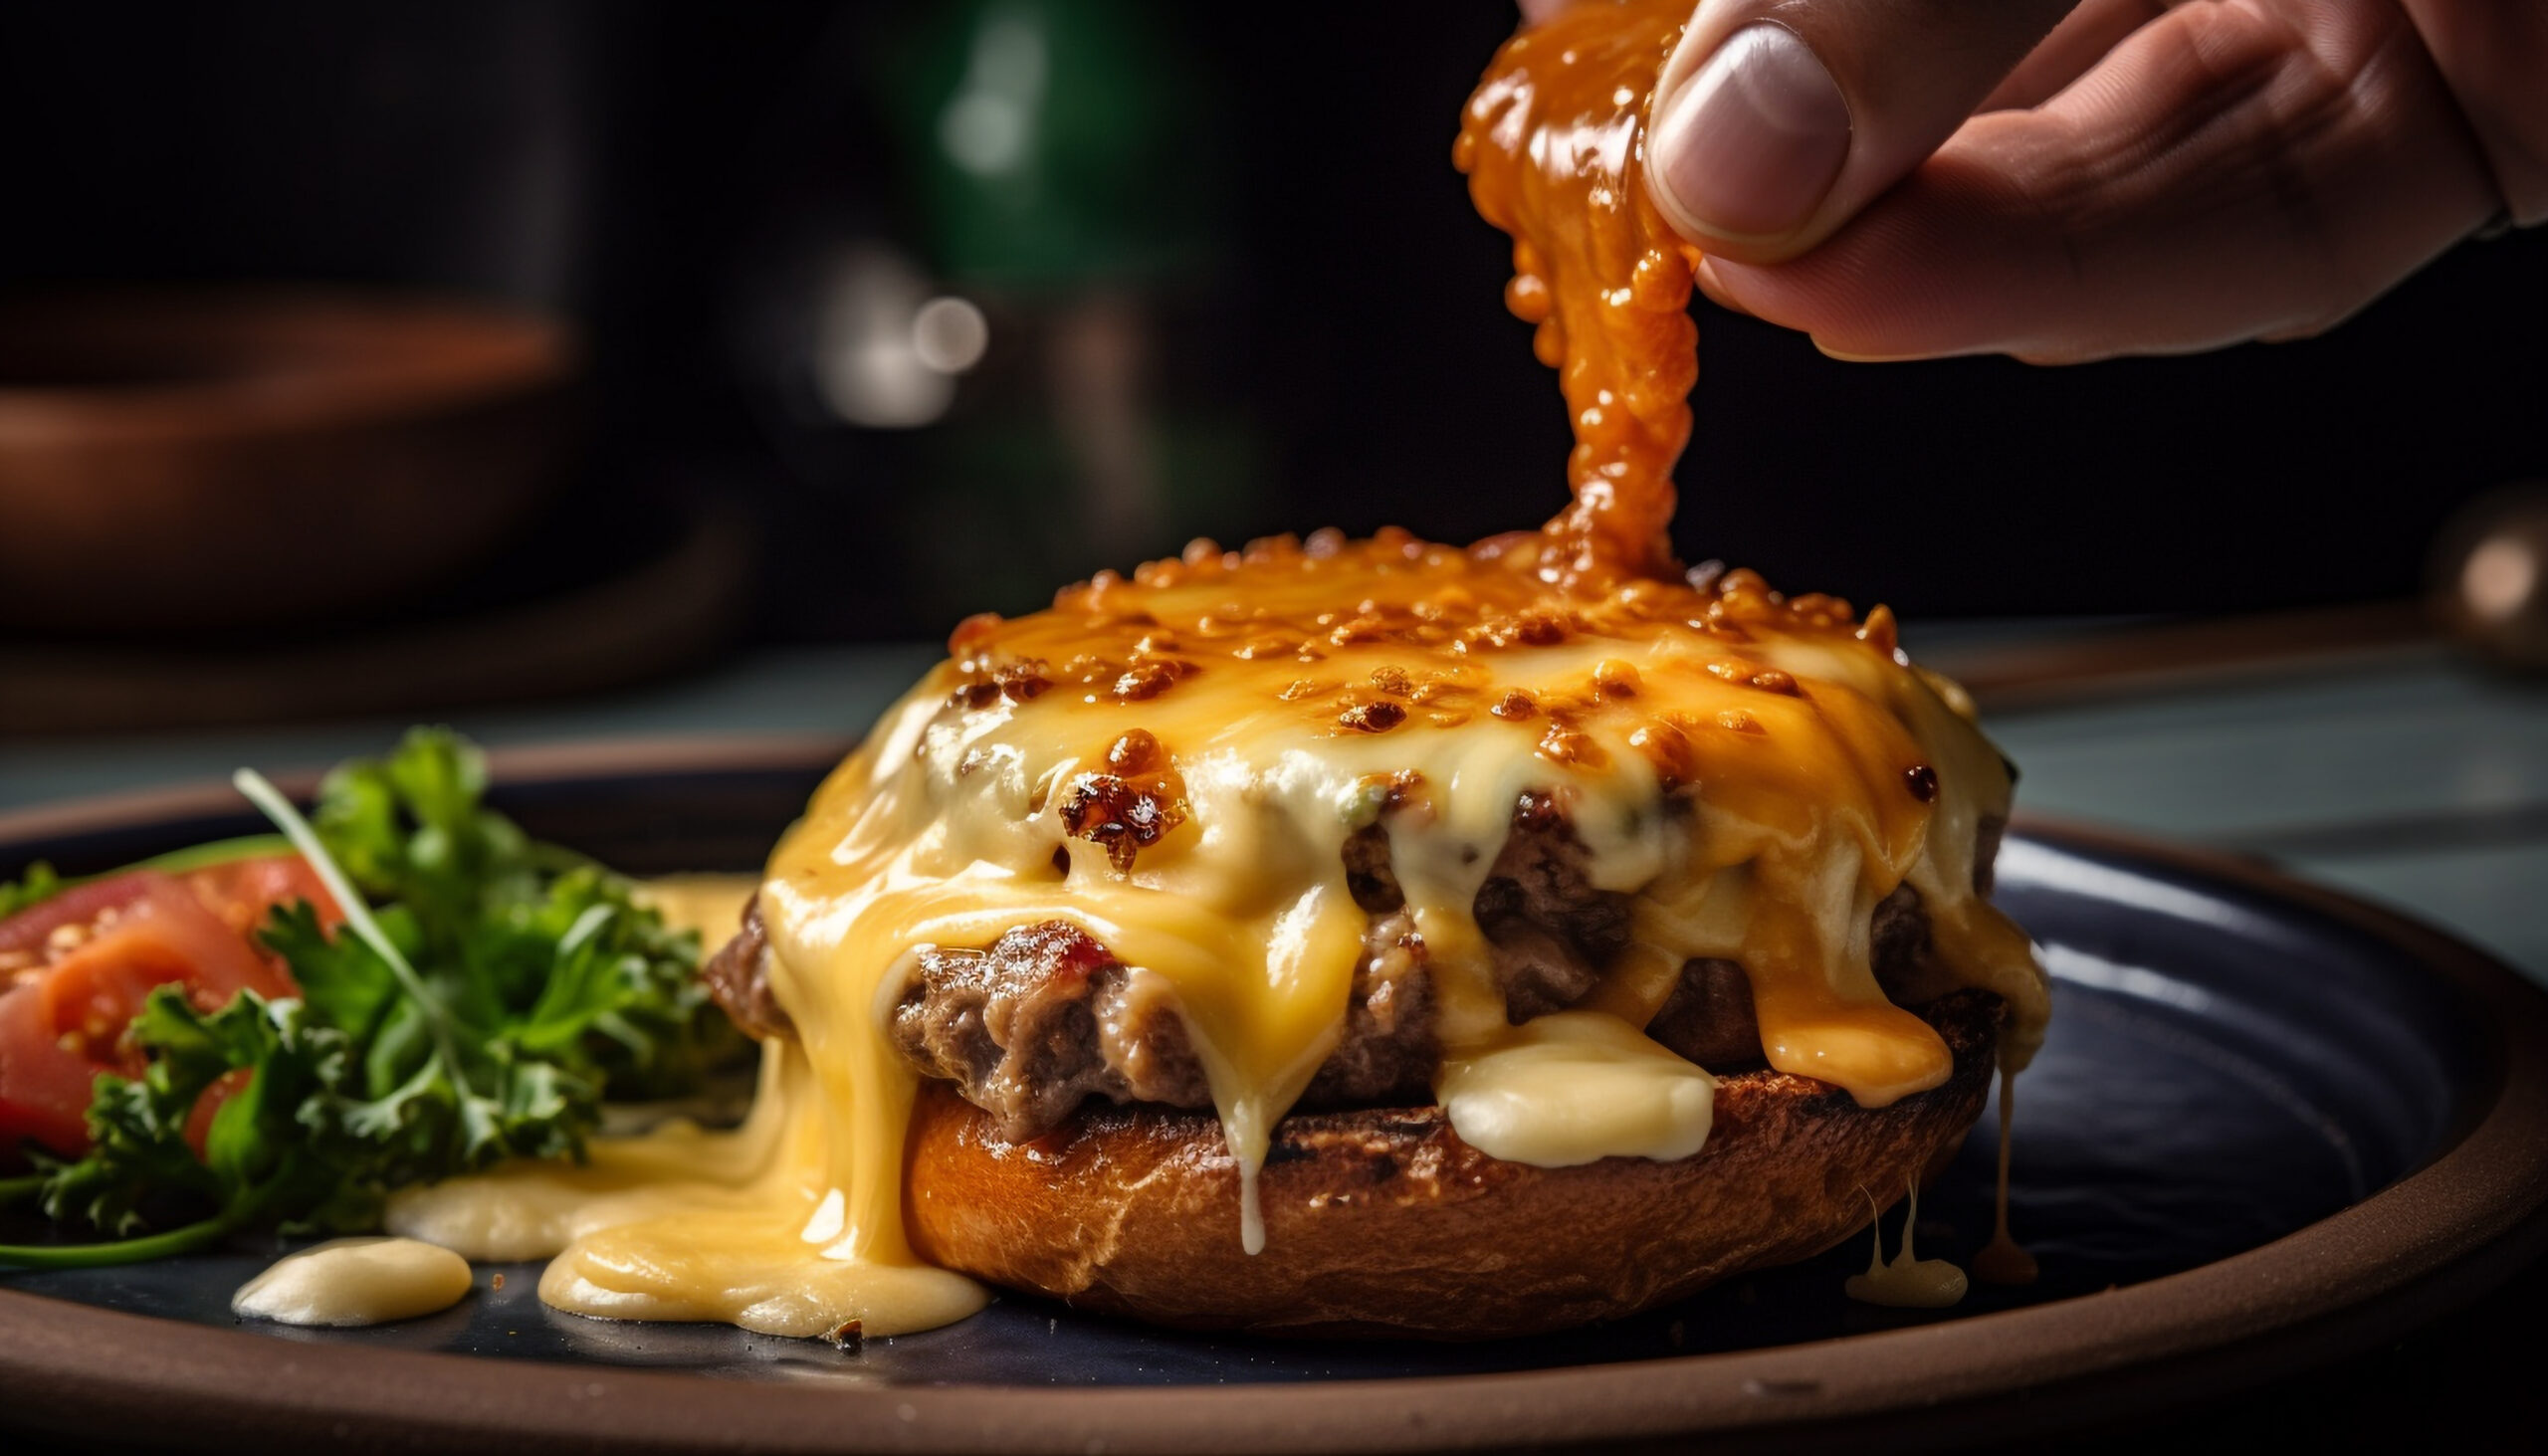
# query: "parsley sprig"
[[481, 995]]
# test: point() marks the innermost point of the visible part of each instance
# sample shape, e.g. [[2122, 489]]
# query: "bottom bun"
[[1382, 1222]]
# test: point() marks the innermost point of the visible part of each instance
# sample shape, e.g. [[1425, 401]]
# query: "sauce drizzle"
[[2004, 1260], [1909, 1282], [1554, 146]]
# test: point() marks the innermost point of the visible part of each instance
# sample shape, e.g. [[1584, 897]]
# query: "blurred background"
[[689, 367], [951, 302]]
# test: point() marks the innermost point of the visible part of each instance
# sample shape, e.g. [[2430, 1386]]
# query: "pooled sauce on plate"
[[1755, 772], [351, 1282], [1907, 1282]]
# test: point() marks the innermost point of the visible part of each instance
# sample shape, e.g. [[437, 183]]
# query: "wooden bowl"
[[210, 459]]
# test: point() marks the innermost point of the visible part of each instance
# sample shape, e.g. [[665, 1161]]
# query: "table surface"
[[2409, 777]]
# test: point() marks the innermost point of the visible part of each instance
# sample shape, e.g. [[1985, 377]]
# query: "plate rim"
[[2425, 1244]]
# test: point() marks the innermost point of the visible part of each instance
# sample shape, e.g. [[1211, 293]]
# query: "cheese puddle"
[[740, 1228], [350, 1282], [1909, 1282], [1573, 1087]]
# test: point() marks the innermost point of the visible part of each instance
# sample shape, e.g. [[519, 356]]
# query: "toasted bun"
[[1382, 1222]]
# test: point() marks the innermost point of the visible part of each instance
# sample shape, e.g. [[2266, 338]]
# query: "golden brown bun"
[[1383, 1222]]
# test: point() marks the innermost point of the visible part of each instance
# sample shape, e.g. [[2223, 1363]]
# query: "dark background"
[[1267, 192]]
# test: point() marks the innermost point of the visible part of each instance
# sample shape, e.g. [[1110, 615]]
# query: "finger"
[[1534, 11], [2225, 174], [1775, 120], [2491, 57], [2078, 43]]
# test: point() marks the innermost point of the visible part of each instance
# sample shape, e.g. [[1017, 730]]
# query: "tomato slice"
[[199, 1120], [243, 892], [44, 1084], [75, 971]]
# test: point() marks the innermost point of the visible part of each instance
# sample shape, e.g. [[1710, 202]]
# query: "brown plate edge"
[[2435, 1239]]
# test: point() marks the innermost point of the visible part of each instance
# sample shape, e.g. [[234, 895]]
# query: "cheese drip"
[[743, 1227], [1907, 1281]]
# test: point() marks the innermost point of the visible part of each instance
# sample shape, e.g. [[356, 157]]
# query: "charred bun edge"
[[1381, 1222]]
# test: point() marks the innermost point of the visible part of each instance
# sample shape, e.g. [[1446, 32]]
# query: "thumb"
[[1775, 120]]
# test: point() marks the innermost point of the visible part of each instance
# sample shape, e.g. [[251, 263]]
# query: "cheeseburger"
[[1358, 935], [1361, 935]]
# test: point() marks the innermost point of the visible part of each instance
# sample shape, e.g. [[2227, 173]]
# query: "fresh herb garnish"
[[477, 1013], [39, 884]]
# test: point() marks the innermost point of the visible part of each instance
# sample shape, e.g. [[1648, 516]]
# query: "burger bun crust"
[[1382, 1222]]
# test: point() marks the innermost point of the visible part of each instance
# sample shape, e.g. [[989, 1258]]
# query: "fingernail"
[[1749, 146], [1829, 353]]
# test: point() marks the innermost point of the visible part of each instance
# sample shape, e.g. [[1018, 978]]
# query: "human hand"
[[1912, 178]]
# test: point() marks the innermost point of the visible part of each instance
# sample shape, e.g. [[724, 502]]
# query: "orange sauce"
[[2004, 1260], [1554, 146]]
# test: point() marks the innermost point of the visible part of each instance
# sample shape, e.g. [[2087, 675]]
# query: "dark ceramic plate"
[[2270, 1127]]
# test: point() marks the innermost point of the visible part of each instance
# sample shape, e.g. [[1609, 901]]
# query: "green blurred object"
[[1066, 156], [1058, 145]]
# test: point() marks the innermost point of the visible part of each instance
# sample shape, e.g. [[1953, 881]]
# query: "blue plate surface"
[[2227, 1064]]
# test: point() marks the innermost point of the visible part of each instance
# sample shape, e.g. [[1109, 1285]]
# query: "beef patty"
[[1046, 1017]]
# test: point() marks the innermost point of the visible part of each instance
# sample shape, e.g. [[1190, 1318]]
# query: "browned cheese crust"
[[1382, 1222]]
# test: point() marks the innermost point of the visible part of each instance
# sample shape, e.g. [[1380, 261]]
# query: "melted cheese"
[[742, 1227], [1754, 773], [2004, 1260], [1571, 1086], [347, 1281], [1909, 1282]]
